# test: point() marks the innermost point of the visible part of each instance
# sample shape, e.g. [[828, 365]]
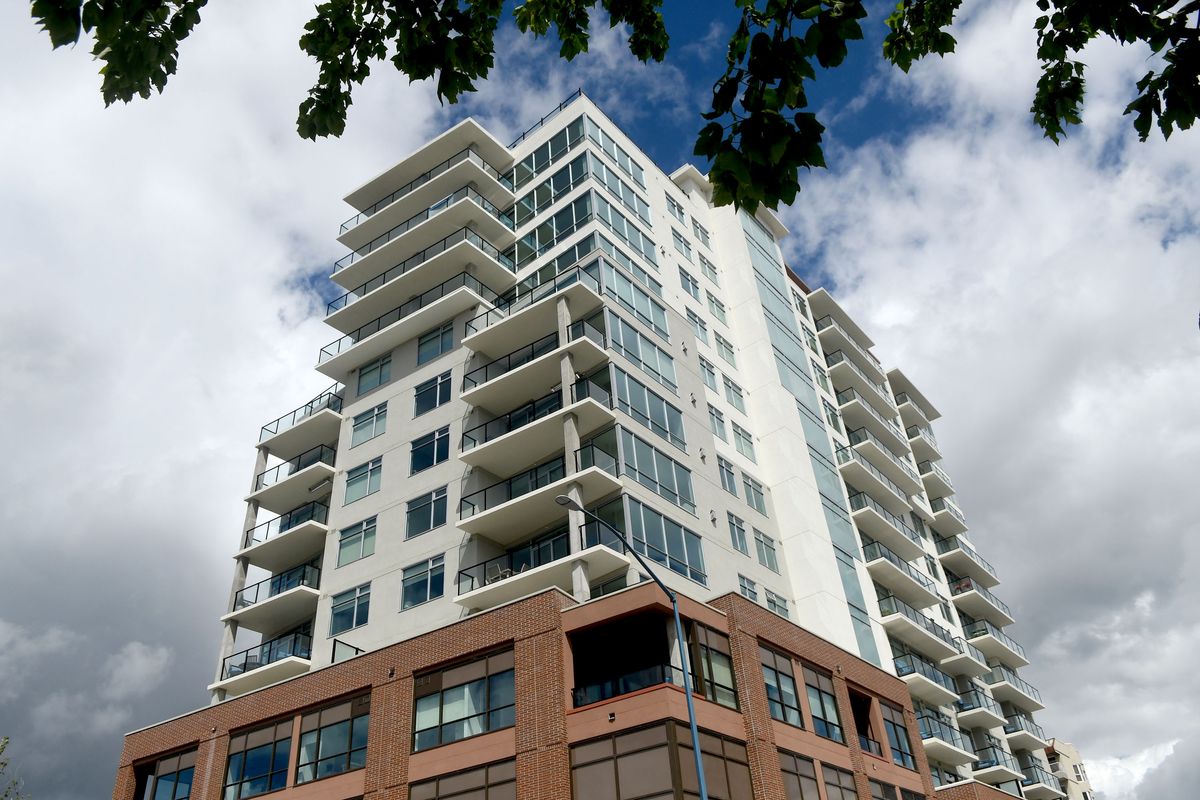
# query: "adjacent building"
[[414, 615], [1067, 765]]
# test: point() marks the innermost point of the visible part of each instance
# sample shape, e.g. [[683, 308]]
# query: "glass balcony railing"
[[890, 604], [905, 397], [513, 420], [848, 394], [465, 193], [507, 363], [593, 454], [828, 321], [469, 154], [874, 550], [845, 455], [304, 575], [934, 728], [870, 745], [1001, 673], [423, 300], [327, 399], [963, 585], [975, 698], [863, 435], [948, 545], [544, 550], [982, 627], [995, 756], [586, 389], [912, 664], [531, 290], [1035, 773], [1019, 722], [838, 357], [921, 431], [292, 644], [309, 512], [318, 455], [511, 488], [861, 500], [412, 262], [929, 467], [944, 504], [966, 648], [625, 684]]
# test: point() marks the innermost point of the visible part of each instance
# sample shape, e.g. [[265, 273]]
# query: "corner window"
[[823, 705], [350, 609], [171, 778], [425, 513], [431, 394], [464, 701], [333, 740], [374, 374], [737, 534], [432, 344], [667, 542], [430, 449], [782, 700], [715, 670], [368, 425], [363, 480], [356, 542], [422, 582], [258, 761]]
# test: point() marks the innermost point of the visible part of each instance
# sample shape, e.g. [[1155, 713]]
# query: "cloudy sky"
[[160, 260]]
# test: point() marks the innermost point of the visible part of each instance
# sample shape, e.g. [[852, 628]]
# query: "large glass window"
[[368, 425], [699, 326], [623, 229], [464, 700], [743, 441], [676, 209], [425, 513], [609, 179], [171, 778], [634, 298], [432, 393], [422, 582], [689, 284], [717, 308], [333, 740], [357, 541], [374, 373], [258, 761], [491, 782], [799, 777], [432, 344], [839, 784], [764, 546], [629, 342], [708, 373], [350, 609], [823, 705], [897, 734], [725, 350], [364, 480], [733, 393], [737, 534], [701, 233], [716, 423], [754, 494], [648, 408], [715, 666], [657, 471], [615, 152], [666, 541], [681, 244], [550, 190], [728, 477], [777, 603], [782, 700], [709, 270], [882, 791], [432, 448]]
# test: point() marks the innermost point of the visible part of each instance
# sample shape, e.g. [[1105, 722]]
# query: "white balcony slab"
[[286, 549], [310, 483], [517, 519], [600, 561], [941, 750], [277, 612], [534, 378], [532, 443], [930, 691], [901, 583], [322, 427], [281, 670], [917, 637], [533, 321]]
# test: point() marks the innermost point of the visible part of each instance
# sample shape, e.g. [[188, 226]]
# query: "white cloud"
[[22, 650], [1118, 778], [134, 671]]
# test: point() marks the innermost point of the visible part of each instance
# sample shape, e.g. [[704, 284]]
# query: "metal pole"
[[563, 500]]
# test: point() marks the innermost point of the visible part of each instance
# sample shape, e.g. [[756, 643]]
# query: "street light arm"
[[629, 548]]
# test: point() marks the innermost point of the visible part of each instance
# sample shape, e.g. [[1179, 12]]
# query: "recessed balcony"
[[462, 251], [858, 412], [407, 321], [296, 481], [279, 602], [994, 764], [923, 443], [958, 557], [944, 742], [287, 539], [270, 662], [976, 710], [994, 643], [969, 661], [925, 681], [845, 373], [834, 337], [937, 482], [316, 422], [533, 307], [1008, 687], [535, 430], [898, 576], [883, 526], [892, 465], [977, 601], [915, 629], [1039, 784], [1024, 734]]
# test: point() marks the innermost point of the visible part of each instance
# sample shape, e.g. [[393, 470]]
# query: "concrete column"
[[580, 582]]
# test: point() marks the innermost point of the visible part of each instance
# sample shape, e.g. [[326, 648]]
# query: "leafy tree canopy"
[[758, 135], [10, 788]]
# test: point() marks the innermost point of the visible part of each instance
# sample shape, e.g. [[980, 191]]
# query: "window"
[[699, 326], [1080, 775], [765, 547], [897, 734], [748, 588], [666, 542], [725, 350], [811, 338], [728, 479], [676, 209], [463, 701], [801, 305], [422, 582], [368, 425], [715, 669], [648, 408], [823, 705], [709, 270], [799, 777], [689, 284], [831, 415], [333, 740], [708, 373], [777, 603], [363, 480], [258, 761], [737, 534], [350, 609], [782, 699], [839, 784], [432, 448], [821, 375], [633, 298], [754, 494], [492, 782], [425, 513], [374, 374], [431, 394], [681, 244], [641, 350], [932, 566], [908, 794], [716, 422], [432, 344], [357, 541], [743, 441], [657, 471], [701, 233], [882, 791], [733, 393], [171, 778], [716, 307]]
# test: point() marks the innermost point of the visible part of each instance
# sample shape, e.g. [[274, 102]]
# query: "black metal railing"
[[328, 399], [511, 488], [291, 644], [510, 361], [320, 454], [625, 684], [535, 126], [532, 290], [309, 512], [303, 575], [870, 745]]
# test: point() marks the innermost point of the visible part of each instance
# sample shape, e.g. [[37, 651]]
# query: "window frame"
[[438, 445], [431, 569], [433, 685], [376, 417], [410, 506], [366, 531], [737, 533], [437, 336], [437, 385], [371, 476], [384, 366], [359, 709], [359, 599]]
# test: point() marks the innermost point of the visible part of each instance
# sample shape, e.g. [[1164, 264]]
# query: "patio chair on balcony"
[[496, 572]]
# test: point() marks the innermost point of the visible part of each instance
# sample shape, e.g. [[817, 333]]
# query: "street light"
[[564, 500]]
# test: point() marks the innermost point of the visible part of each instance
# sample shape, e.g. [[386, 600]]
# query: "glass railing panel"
[[829, 322], [512, 488], [890, 604], [914, 431], [327, 399], [845, 455], [875, 550], [861, 435], [971, 650], [1037, 774], [594, 455], [318, 455], [513, 420], [1002, 673], [933, 728], [529, 292], [910, 664], [309, 512], [507, 363], [292, 644], [304, 575], [954, 543], [943, 504], [849, 393], [838, 357], [963, 585], [517, 560], [586, 389], [974, 698], [1017, 722], [861, 500], [982, 627], [627, 683], [995, 756], [927, 467]]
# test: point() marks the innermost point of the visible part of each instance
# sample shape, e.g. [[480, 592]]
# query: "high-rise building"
[[1067, 765], [559, 319]]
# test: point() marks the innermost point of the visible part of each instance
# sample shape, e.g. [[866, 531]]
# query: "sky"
[[164, 263]]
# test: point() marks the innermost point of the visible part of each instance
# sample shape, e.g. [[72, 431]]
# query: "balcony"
[[533, 568], [858, 472], [944, 742], [532, 306], [898, 576], [508, 381], [834, 337], [977, 601], [937, 482], [658, 675], [925, 681], [892, 465], [977, 710], [910, 410], [294, 482], [1038, 784], [315, 422], [270, 662], [859, 413], [994, 643], [1008, 687], [923, 444], [883, 526], [969, 661], [407, 321], [462, 250], [510, 510], [947, 517], [915, 629], [845, 373], [465, 168], [1024, 734], [287, 539], [535, 430], [464, 208], [958, 557], [279, 602], [994, 764]]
